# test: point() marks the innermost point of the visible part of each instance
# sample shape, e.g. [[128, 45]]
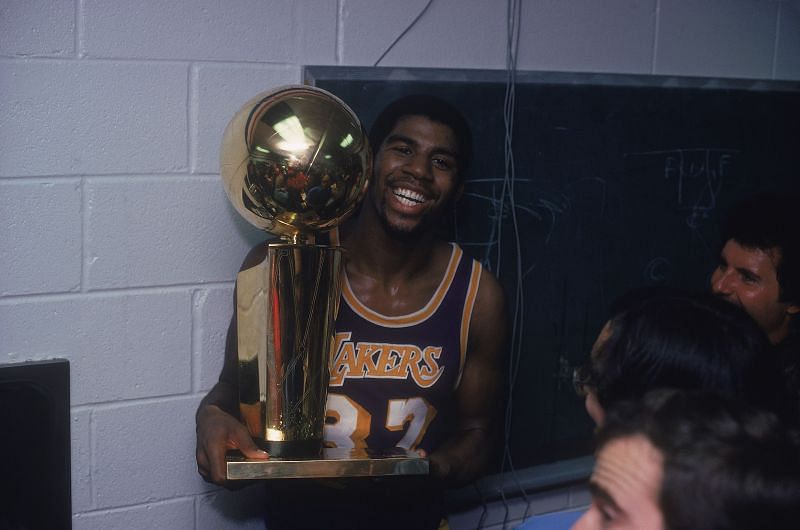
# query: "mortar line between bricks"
[[111, 292], [92, 459], [654, 56], [80, 29], [191, 115], [266, 64], [110, 176], [84, 232], [114, 509], [104, 406], [195, 339], [339, 33]]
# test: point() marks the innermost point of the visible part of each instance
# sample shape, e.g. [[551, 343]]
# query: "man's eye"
[[441, 163], [746, 278], [402, 149]]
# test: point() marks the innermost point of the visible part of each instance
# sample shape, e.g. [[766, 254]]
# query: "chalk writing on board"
[[497, 206], [657, 270], [698, 175]]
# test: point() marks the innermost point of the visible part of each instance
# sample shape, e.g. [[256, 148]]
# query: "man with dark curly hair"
[[680, 460], [759, 270]]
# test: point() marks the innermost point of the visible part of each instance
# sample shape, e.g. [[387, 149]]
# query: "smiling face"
[[747, 277], [416, 175], [625, 487]]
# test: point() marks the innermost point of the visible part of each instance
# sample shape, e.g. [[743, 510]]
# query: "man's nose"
[[721, 283], [419, 167]]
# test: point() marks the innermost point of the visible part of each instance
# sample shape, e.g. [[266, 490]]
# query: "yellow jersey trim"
[[412, 318], [466, 317]]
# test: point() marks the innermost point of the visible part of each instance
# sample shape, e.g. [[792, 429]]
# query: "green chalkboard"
[[619, 181]]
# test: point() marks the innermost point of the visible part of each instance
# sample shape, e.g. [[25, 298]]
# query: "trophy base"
[[291, 449], [332, 463]]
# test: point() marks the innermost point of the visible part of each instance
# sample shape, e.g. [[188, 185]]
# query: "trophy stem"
[[286, 308]]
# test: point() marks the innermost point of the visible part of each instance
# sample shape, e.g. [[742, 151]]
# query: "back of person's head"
[[666, 338], [768, 221], [727, 466], [434, 109]]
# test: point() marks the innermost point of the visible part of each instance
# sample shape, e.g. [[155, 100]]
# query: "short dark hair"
[[434, 109], [668, 338], [765, 221], [727, 465]]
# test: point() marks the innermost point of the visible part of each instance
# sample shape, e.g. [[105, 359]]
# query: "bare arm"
[[217, 419], [465, 456]]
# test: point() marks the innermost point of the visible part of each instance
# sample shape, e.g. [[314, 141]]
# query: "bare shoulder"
[[491, 300], [491, 292]]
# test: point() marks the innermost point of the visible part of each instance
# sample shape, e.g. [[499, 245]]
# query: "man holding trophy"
[[417, 346]]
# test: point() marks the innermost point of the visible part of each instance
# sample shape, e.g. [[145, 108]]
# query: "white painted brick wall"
[[149, 231], [617, 38], [120, 345], [37, 28], [452, 34], [221, 91], [40, 240], [118, 248], [728, 38], [787, 53], [136, 461], [212, 313], [81, 440], [64, 117], [176, 514]]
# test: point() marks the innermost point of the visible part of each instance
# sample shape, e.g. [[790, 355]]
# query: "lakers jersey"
[[393, 377]]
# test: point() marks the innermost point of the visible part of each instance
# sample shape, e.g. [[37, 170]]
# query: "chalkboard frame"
[[576, 462], [314, 75]]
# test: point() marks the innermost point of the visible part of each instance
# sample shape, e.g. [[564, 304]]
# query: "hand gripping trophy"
[[295, 161]]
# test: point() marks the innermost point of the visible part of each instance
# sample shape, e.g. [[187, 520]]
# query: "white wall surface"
[[118, 248]]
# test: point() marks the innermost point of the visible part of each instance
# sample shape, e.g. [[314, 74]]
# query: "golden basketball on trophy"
[[295, 162]]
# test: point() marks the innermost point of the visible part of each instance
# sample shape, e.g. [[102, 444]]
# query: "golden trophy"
[[294, 161]]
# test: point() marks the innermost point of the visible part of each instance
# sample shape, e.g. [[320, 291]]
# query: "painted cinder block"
[[81, 447], [716, 38], [219, 92], [92, 117], [315, 26], [245, 30], [162, 231], [120, 346], [145, 452], [584, 35], [451, 33], [787, 54], [211, 315], [173, 515], [37, 28], [40, 236]]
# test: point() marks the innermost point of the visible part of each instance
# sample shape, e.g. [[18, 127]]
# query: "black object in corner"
[[35, 490]]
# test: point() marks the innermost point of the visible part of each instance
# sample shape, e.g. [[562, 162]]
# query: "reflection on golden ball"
[[295, 161]]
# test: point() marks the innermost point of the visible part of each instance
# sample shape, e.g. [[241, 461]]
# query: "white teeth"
[[408, 197]]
